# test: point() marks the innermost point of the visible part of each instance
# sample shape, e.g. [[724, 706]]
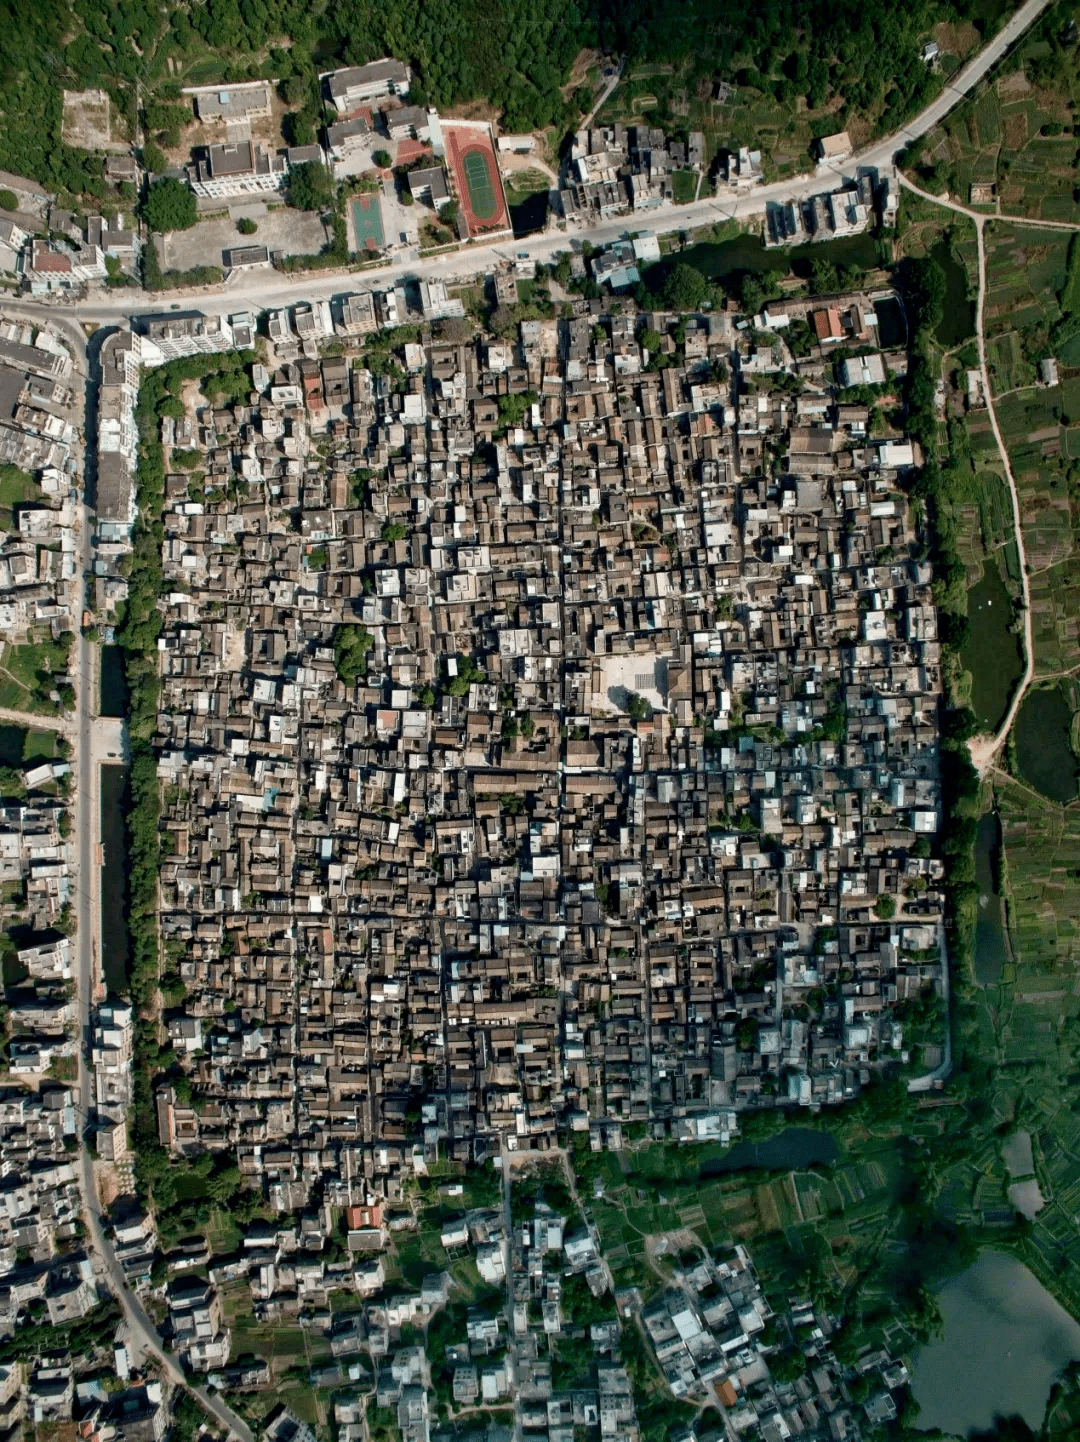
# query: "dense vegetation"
[[516, 54]]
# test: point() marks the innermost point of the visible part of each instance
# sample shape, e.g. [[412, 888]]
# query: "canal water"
[[992, 653], [1005, 1341], [114, 936], [113, 700], [1043, 748], [957, 322], [990, 952], [791, 1149]]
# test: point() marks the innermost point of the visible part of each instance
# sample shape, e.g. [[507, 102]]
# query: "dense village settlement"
[[474, 764], [547, 748]]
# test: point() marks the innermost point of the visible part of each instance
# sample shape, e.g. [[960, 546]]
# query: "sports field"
[[482, 199], [367, 223], [476, 178]]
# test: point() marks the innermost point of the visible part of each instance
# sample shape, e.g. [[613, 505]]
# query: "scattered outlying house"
[[834, 147]]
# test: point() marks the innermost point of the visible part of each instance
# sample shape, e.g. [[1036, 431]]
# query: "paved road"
[[260, 290]]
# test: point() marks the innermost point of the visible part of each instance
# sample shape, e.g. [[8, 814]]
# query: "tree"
[[382, 159], [651, 340], [787, 1366], [823, 278], [885, 907], [300, 128], [394, 531], [685, 288], [8, 200], [310, 187], [153, 158], [351, 646], [246, 226], [746, 1032], [170, 205], [639, 708]]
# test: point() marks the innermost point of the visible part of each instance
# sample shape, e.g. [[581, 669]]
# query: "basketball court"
[[367, 222]]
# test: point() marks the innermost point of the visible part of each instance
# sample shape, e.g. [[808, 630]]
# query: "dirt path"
[[983, 749]]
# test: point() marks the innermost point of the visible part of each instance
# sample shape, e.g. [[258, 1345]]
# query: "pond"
[[990, 948], [957, 322], [12, 741], [1005, 1341], [796, 1147], [114, 932], [113, 682], [892, 327], [992, 653], [1043, 748], [726, 260], [530, 214]]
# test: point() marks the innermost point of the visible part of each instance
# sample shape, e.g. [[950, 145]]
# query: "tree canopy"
[[685, 288], [351, 645], [514, 54], [310, 186], [170, 205]]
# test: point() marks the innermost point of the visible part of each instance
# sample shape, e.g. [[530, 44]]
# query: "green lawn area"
[[28, 672], [684, 186], [15, 486], [522, 183]]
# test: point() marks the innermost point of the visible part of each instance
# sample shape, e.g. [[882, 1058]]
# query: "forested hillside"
[[515, 53]]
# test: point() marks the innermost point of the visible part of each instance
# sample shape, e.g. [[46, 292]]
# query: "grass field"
[[15, 486], [27, 674]]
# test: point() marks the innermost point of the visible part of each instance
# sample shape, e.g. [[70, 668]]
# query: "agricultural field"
[[1012, 147], [1029, 304]]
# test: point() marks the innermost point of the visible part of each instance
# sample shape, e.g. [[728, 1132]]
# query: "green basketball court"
[[367, 222]]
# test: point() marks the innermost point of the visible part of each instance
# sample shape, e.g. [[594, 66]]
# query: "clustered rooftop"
[[621, 828]]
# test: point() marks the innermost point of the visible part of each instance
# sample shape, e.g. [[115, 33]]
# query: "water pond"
[[1043, 748], [726, 260], [1005, 1341], [114, 933], [957, 322], [529, 215], [990, 946], [992, 653], [796, 1147]]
